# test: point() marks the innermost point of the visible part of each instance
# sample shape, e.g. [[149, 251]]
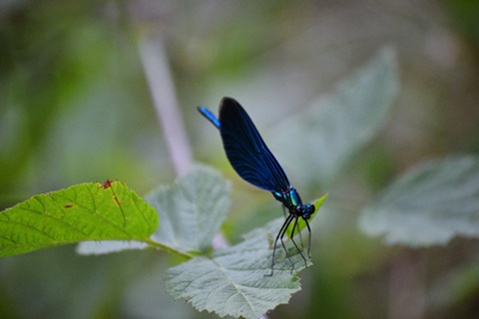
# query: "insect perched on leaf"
[[254, 162]]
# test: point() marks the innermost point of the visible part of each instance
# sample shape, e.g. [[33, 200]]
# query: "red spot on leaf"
[[68, 206], [107, 184]]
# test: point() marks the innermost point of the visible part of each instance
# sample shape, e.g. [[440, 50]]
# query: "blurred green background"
[[76, 106]]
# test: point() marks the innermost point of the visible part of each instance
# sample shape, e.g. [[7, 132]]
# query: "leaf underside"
[[192, 210], [428, 205], [338, 125], [234, 281]]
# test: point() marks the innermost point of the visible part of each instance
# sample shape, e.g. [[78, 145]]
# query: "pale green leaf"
[[191, 211], [428, 205], [82, 212], [325, 137], [234, 281]]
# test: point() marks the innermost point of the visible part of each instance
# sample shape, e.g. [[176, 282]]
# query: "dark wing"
[[246, 150]]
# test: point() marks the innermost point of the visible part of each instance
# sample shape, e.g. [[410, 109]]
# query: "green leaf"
[[301, 223], [82, 212], [336, 126], [428, 205], [192, 210], [233, 282]]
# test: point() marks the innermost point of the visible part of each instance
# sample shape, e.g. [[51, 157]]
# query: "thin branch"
[[160, 82]]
